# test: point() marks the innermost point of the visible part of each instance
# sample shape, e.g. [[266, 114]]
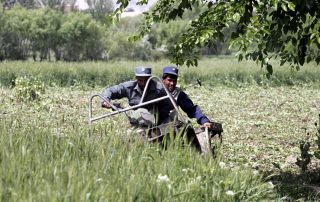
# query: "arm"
[[193, 111], [115, 92]]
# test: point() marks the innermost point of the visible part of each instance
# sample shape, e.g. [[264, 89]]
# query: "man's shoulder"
[[129, 84], [181, 93], [155, 85]]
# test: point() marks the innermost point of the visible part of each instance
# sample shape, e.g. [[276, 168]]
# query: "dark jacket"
[[186, 104], [132, 92]]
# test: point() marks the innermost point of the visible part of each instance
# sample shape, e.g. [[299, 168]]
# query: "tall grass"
[[37, 164], [212, 71], [228, 71], [47, 154]]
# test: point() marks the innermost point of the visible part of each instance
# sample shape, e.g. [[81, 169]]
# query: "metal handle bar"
[[173, 102], [91, 119]]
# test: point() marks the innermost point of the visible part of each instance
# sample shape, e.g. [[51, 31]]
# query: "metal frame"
[[117, 111], [204, 138]]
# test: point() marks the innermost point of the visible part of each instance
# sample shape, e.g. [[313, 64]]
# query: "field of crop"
[[47, 152]]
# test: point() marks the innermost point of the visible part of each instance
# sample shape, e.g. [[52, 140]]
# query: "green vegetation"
[[262, 30], [224, 71], [47, 152], [48, 34], [45, 34], [28, 88]]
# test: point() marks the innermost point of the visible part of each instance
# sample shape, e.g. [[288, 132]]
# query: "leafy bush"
[[81, 37], [317, 152], [45, 36], [28, 88], [15, 34], [305, 149]]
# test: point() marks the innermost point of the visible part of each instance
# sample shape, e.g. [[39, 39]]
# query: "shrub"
[[28, 88]]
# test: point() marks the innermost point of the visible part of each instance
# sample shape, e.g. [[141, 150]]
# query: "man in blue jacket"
[[169, 79]]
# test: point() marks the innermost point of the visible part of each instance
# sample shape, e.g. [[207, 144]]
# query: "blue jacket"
[[186, 104], [192, 110]]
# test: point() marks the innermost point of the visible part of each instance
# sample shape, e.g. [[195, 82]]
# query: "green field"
[[224, 71], [48, 154]]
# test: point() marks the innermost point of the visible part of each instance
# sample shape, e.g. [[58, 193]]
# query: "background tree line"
[[45, 32]]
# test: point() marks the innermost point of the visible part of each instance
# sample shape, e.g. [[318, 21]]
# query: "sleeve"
[[116, 92], [193, 111]]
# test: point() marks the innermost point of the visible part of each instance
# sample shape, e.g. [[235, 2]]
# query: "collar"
[[137, 88], [176, 92]]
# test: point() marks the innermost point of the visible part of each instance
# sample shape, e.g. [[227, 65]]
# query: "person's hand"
[[106, 105], [207, 125]]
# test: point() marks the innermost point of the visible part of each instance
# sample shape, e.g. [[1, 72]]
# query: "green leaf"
[[236, 17], [275, 4], [291, 6], [133, 38], [284, 7], [189, 63], [142, 2], [317, 154], [195, 62], [268, 75], [309, 59], [234, 35], [240, 57], [303, 18], [269, 69], [294, 41]]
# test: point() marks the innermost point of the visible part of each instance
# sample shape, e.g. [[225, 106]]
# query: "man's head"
[[142, 75], [170, 77]]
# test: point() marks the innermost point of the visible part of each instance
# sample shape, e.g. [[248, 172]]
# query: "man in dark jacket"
[[133, 90], [169, 78]]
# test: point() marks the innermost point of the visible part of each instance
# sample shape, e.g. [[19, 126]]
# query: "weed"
[[28, 88], [317, 152], [305, 157], [305, 145]]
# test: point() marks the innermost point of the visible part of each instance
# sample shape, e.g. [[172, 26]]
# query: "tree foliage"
[[48, 34], [80, 35], [265, 29], [165, 36], [118, 45], [99, 9], [1, 34], [45, 32], [15, 34]]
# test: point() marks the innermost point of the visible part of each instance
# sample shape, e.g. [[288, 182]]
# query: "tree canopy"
[[265, 29]]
